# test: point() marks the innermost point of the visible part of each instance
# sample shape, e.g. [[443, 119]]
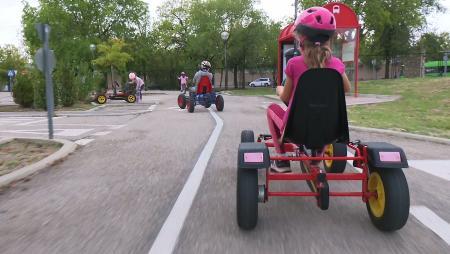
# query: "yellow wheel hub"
[[377, 204], [101, 99], [329, 153], [131, 98]]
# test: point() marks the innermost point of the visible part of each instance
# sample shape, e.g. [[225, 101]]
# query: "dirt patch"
[[23, 152]]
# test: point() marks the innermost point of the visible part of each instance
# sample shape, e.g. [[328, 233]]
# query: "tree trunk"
[[235, 70], [243, 76], [386, 70]]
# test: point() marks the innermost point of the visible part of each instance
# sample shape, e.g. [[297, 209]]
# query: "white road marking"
[[432, 221], [84, 141], [101, 133], [38, 121], [439, 168], [152, 107], [57, 132], [168, 235], [71, 132], [118, 127]]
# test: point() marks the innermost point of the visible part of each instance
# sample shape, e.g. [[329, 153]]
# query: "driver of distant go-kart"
[[205, 67], [139, 85]]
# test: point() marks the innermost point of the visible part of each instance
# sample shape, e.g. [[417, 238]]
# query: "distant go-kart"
[[204, 95], [128, 95]]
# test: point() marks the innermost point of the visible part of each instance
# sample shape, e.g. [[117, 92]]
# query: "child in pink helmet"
[[314, 28], [139, 85], [183, 79]]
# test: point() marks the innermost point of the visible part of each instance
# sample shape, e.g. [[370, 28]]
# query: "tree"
[[10, 59], [112, 56], [77, 24], [433, 44], [388, 25]]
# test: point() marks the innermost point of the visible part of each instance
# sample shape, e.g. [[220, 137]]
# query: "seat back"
[[317, 112], [204, 86]]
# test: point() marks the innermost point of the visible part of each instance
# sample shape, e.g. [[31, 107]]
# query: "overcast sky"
[[11, 12]]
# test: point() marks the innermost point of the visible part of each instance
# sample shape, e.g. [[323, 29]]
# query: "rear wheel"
[[181, 101], [220, 104], [335, 150], [247, 191], [101, 99], [131, 98], [389, 209], [191, 104]]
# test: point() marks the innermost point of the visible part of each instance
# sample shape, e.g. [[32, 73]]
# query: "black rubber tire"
[[191, 104], [247, 136], [247, 191], [397, 202], [323, 200], [220, 104], [247, 198], [181, 101], [339, 150]]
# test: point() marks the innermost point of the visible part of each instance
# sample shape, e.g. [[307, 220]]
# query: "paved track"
[[114, 194]]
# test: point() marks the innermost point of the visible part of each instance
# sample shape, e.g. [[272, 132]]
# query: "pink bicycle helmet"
[[132, 76], [317, 24]]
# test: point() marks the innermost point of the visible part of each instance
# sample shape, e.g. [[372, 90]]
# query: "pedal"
[[265, 136]]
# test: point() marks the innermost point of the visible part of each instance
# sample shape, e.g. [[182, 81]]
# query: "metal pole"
[[226, 67], [10, 85], [48, 81], [296, 9], [445, 64]]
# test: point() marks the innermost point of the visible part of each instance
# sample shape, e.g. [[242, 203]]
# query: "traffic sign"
[[11, 73], [39, 58]]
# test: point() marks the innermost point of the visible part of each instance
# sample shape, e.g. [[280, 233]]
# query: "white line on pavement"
[[152, 107], [439, 168], [168, 235], [84, 141], [38, 121], [101, 133], [432, 221]]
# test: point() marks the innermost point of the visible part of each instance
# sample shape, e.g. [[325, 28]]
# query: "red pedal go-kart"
[[128, 95], [203, 95], [317, 131]]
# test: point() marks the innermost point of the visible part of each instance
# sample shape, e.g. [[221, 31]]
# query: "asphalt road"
[[114, 194]]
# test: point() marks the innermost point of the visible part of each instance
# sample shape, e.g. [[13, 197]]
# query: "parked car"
[[260, 82]]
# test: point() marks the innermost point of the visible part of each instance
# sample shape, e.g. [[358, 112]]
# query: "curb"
[[443, 141], [67, 148]]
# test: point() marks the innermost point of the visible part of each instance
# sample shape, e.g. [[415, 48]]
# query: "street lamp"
[[225, 35], [92, 47]]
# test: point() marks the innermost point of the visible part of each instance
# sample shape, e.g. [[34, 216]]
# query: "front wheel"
[[389, 209], [220, 104]]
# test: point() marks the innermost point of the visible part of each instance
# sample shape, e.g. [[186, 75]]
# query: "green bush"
[[65, 84], [39, 90], [23, 92]]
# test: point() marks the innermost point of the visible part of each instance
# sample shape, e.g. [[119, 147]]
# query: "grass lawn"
[[253, 91], [423, 109], [23, 152]]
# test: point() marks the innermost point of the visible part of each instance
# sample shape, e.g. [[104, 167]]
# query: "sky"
[[11, 12]]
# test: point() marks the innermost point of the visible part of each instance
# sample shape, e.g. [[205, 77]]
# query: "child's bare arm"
[[346, 82], [285, 91]]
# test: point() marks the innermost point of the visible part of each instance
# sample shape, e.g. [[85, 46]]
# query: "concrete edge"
[[67, 148], [443, 141]]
